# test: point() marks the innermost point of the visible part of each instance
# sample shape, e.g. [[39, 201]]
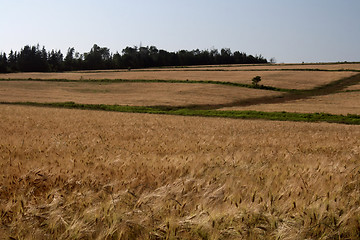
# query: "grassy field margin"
[[352, 119]]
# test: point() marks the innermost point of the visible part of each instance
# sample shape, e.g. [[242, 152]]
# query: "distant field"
[[183, 94], [138, 94], [280, 79], [289, 66], [339, 103], [332, 67], [170, 93]]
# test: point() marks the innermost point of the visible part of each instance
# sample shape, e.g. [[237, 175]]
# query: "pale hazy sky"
[[288, 30]]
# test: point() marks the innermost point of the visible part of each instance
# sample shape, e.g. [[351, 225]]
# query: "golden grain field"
[[71, 174], [280, 79], [79, 174]]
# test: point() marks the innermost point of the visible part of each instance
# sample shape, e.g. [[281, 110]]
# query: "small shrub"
[[255, 81]]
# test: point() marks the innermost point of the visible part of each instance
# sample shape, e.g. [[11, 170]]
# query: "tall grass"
[[69, 174]]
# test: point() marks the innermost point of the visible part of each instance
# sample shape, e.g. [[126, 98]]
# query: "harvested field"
[[138, 94], [69, 174], [280, 79], [338, 103]]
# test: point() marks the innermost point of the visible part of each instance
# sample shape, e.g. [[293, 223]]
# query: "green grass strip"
[[109, 81], [278, 116]]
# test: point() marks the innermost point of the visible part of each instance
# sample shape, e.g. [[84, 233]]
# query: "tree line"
[[36, 59]]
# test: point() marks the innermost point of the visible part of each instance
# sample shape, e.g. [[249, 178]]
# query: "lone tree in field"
[[255, 81]]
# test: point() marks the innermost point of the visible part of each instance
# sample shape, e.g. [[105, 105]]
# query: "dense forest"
[[36, 59]]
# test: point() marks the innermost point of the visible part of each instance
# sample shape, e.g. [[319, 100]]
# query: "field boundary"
[[352, 119]]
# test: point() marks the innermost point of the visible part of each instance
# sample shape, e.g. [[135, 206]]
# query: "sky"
[[291, 31]]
